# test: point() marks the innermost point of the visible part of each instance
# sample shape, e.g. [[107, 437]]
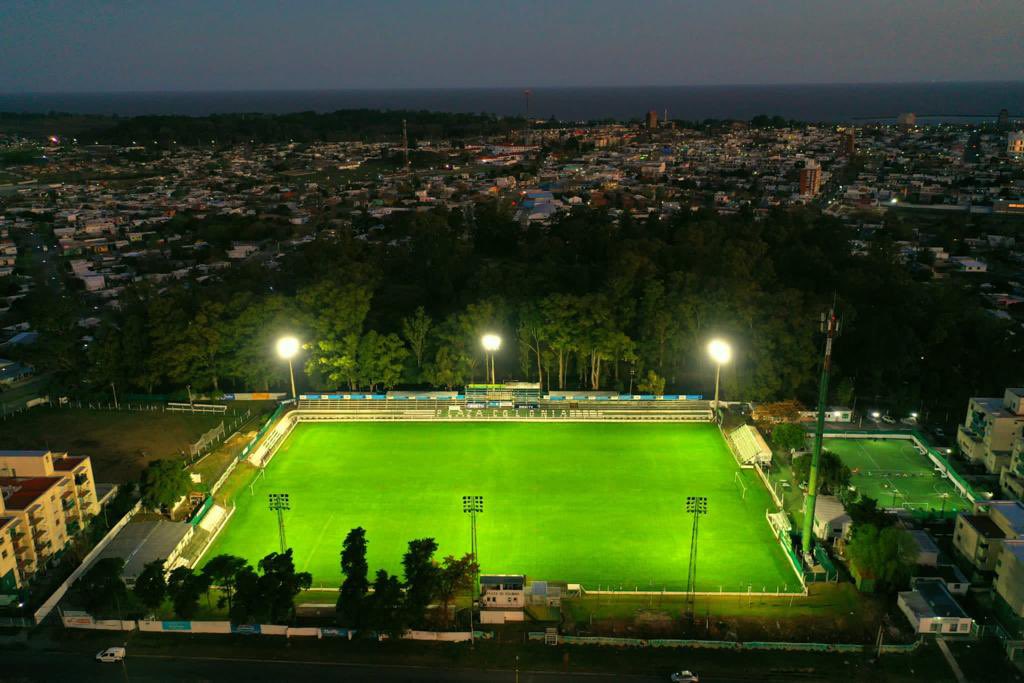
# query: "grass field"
[[894, 473], [598, 504], [120, 444]]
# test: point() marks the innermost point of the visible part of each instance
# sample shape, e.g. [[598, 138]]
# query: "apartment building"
[[46, 499], [979, 536], [1009, 583], [990, 429]]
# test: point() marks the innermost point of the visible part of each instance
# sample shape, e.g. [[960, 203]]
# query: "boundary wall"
[[895, 648]]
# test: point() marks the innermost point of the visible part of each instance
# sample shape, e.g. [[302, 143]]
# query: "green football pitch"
[[597, 504], [896, 474]]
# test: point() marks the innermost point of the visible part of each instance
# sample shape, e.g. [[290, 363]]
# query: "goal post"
[[741, 485]]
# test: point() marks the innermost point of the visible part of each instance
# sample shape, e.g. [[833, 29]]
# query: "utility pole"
[[696, 506], [114, 389], [279, 503], [830, 326]]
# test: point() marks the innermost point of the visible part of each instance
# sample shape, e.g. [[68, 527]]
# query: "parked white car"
[[684, 677], [111, 654]]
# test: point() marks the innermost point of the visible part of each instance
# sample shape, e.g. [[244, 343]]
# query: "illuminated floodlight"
[[287, 347], [720, 351], [913, 415], [491, 342], [875, 414]]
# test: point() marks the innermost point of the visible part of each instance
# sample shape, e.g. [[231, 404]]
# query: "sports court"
[[896, 474], [593, 503]]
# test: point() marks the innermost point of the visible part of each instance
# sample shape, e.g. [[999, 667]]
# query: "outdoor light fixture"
[[287, 348], [720, 352], [875, 414]]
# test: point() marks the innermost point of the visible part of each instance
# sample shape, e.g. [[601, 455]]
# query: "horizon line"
[[780, 84]]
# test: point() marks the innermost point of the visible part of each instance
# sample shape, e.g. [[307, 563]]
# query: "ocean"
[[932, 102]]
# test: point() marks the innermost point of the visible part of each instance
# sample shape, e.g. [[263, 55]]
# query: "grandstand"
[[749, 446], [520, 401]]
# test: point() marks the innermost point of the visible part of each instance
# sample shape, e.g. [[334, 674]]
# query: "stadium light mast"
[[279, 502], [830, 326], [720, 352], [472, 506], [492, 343], [287, 348], [696, 506]]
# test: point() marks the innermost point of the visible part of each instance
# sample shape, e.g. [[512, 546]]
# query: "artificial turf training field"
[[896, 474], [598, 504]]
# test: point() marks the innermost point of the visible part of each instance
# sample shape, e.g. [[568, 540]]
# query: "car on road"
[[684, 677], [111, 654], [888, 419]]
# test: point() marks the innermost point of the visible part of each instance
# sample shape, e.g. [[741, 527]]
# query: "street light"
[[287, 348], [492, 343], [721, 353]]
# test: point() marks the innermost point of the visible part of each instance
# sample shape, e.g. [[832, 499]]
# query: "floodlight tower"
[[830, 326], [472, 506], [720, 352], [491, 343], [287, 348], [696, 506], [279, 502]]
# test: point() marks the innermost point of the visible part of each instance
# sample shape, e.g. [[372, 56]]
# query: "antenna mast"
[[405, 143], [830, 326], [526, 94]]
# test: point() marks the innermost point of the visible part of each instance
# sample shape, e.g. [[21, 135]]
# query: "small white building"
[[830, 519], [931, 608]]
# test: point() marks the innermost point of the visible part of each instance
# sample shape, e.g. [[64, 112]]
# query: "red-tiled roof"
[[25, 491]]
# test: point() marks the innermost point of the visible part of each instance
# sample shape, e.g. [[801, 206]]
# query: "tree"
[[653, 383], [352, 596], [865, 510], [788, 436], [222, 571], [380, 359], [280, 584], [455, 576], [888, 554], [421, 577], [101, 589], [833, 475], [163, 484], [386, 611], [416, 330], [151, 586], [250, 605], [184, 587]]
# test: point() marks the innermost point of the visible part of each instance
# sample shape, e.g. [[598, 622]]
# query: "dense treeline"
[[350, 124], [590, 302]]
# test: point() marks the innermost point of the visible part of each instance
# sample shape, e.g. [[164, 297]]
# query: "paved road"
[[59, 666]]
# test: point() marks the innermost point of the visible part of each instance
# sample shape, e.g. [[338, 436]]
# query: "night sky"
[[306, 44]]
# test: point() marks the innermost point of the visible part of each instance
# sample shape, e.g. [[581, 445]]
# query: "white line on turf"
[[316, 545]]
